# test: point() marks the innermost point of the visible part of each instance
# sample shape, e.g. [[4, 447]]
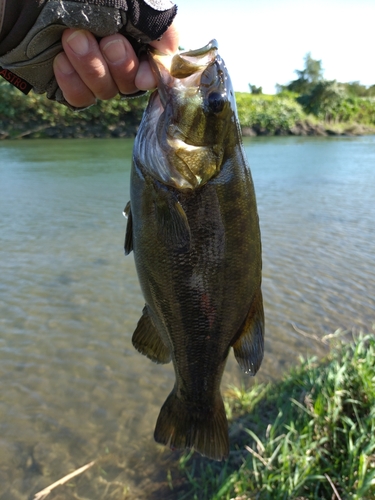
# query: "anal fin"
[[146, 339], [249, 344]]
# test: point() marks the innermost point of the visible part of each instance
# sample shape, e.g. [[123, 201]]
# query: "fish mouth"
[[188, 63], [183, 69]]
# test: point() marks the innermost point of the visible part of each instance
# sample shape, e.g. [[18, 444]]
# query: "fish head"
[[191, 119]]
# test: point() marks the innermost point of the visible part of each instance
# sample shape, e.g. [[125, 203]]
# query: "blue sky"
[[264, 41]]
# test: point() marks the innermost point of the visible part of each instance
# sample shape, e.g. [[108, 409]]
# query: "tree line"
[[328, 100]]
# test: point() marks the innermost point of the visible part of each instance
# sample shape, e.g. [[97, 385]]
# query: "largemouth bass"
[[193, 227]]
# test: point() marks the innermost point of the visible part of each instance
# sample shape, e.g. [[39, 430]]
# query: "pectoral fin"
[[173, 225], [147, 341], [249, 346], [128, 246]]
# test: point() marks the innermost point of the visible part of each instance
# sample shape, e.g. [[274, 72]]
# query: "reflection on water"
[[73, 389]]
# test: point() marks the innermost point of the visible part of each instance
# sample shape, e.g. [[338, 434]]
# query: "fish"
[[193, 227]]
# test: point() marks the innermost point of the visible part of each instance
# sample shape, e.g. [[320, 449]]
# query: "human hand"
[[87, 70]]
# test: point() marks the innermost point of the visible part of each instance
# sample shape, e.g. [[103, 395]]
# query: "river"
[[73, 389]]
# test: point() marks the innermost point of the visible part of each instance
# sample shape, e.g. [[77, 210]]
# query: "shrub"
[[268, 113]]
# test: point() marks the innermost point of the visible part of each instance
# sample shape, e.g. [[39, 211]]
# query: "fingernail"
[[145, 79], [114, 51], [63, 64], [79, 43]]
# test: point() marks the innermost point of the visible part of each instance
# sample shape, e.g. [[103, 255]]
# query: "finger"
[[169, 42], [145, 79], [74, 90], [122, 62], [84, 54]]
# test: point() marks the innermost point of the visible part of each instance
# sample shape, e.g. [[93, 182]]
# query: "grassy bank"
[[310, 436], [282, 114], [34, 116]]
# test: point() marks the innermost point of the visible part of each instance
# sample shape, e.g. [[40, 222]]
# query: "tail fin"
[[180, 426]]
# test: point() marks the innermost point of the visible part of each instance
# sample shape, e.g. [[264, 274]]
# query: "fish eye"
[[216, 102]]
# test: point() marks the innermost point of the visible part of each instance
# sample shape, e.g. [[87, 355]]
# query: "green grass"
[[310, 436]]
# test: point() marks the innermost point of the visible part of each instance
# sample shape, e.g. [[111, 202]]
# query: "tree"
[[313, 71], [255, 90], [330, 100], [324, 100], [307, 77]]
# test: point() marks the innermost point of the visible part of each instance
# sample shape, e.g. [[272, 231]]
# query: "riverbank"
[[36, 117], [309, 128], [96, 129], [309, 436]]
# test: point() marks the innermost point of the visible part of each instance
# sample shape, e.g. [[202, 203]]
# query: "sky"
[[264, 41]]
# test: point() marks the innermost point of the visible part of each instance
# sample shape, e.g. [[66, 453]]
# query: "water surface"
[[73, 389]]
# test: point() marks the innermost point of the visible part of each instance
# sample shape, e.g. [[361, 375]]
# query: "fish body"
[[194, 229]]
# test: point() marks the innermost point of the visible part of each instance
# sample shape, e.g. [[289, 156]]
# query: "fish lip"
[[212, 45]]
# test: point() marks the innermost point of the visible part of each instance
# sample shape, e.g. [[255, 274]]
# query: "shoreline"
[[308, 128], [85, 130]]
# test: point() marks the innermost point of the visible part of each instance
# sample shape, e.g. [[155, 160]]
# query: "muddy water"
[[73, 389]]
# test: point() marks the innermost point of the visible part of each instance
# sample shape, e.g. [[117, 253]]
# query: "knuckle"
[[78, 95], [106, 94]]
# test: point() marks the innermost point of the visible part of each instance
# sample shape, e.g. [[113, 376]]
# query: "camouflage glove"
[[32, 59]]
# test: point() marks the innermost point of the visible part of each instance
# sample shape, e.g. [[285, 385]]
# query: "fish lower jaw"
[[195, 164], [179, 144]]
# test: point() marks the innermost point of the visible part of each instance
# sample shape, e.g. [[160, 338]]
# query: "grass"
[[310, 436]]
